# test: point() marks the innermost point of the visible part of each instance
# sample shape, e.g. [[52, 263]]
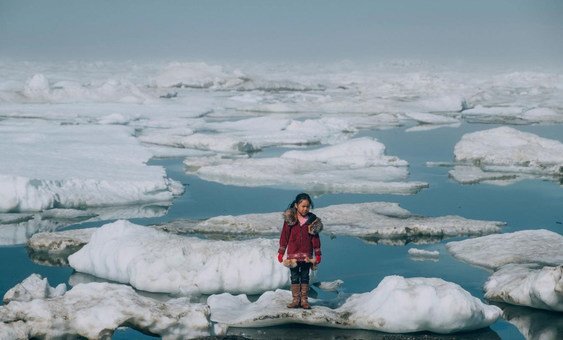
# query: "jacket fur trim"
[[315, 224]]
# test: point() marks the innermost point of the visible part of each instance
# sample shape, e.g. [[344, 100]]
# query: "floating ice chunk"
[[34, 287], [76, 167], [527, 286], [429, 127], [396, 305], [62, 242], [355, 166], [368, 220], [429, 118], [331, 286], [493, 251], [96, 310], [504, 151], [421, 254], [155, 261]]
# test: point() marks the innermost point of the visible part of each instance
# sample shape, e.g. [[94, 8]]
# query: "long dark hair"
[[301, 197]]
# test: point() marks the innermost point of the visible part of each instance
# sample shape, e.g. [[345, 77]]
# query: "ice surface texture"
[[397, 305], [49, 166], [527, 266], [96, 310], [506, 153], [156, 261]]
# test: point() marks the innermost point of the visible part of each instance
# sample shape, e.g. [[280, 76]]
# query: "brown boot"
[[295, 290], [305, 296]]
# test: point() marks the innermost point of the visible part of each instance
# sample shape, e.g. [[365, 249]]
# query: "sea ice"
[[17, 228], [527, 285], [505, 152], [33, 287], [396, 305], [534, 324], [355, 166], [156, 261], [421, 254], [76, 167], [372, 220], [541, 246], [96, 310]]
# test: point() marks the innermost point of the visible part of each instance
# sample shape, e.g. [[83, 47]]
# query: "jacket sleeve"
[[316, 241], [284, 238]]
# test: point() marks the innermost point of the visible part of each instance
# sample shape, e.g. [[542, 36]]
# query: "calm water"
[[530, 204]]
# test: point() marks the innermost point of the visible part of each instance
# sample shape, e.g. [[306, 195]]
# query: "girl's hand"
[[280, 258]]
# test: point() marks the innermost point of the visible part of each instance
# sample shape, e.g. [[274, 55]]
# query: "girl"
[[300, 237]]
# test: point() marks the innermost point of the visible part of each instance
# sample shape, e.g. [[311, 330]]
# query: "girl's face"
[[303, 207]]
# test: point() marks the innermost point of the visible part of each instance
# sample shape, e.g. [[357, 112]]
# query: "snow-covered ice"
[[156, 261], [33, 287], [331, 286], [49, 166], [527, 285], [356, 166], [96, 310], [372, 220], [506, 153], [541, 247], [396, 305]]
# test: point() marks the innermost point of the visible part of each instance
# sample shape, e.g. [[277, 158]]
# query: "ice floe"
[[372, 220], [527, 266], [76, 167], [17, 228], [506, 153], [527, 285], [355, 166], [156, 261], [96, 310], [541, 247], [422, 255], [396, 305]]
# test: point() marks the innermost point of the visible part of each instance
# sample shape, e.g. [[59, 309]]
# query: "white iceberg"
[[156, 261], [396, 305], [534, 324], [505, 151], [372, 220], [354, 166], [527, 286], [76, 167], [541, 246], [96, 310]]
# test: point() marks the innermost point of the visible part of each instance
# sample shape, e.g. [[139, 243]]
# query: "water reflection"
[[296, 331], [534, 323]]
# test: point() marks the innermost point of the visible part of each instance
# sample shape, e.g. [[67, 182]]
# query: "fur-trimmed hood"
[[315, 224]]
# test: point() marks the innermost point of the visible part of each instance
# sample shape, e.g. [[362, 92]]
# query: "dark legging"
[[300, 274]]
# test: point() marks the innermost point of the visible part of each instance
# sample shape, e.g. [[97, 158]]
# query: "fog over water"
[[503, 32]]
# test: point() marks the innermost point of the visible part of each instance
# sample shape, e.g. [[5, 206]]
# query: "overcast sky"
[[511, 31]]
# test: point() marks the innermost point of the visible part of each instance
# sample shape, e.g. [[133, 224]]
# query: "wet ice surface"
[[226, 116]]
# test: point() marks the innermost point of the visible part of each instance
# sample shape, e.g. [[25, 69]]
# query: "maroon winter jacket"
[[300, 240]]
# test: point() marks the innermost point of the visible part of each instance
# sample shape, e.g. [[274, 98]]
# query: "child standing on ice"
[[300, 237]]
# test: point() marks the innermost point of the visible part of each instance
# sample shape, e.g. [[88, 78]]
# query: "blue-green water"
[[529, 204]]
